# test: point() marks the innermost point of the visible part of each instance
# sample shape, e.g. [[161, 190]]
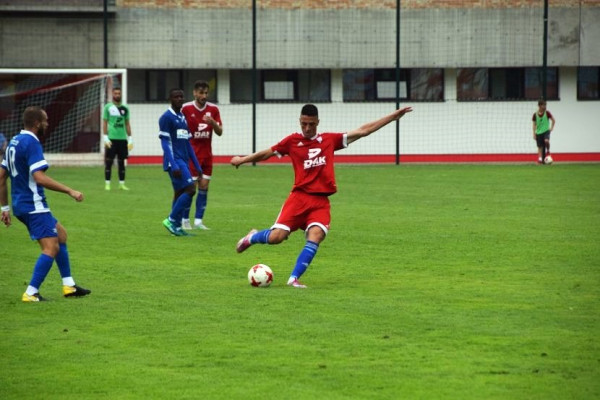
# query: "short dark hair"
[[173, 91], [541, 101], [201, 84], [31, 115], [310, 110]]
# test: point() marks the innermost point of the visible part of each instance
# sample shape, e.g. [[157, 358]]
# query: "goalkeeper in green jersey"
[[117, 137]]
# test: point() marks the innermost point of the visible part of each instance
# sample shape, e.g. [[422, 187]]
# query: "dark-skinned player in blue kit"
[[177, 152]]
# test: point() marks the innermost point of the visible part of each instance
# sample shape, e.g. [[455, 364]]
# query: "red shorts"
[[206, 164], [302, 210]]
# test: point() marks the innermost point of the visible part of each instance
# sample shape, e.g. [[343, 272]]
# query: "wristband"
[[5, 208], [129, 140], [106, 139]]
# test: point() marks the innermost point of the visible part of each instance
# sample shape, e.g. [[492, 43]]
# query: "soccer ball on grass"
[[548, 160], [260, 275]]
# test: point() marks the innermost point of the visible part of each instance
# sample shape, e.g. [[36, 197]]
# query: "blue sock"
[[62, 260], [41, 269], [186, 212], [304, 259], [201, 200], [184, 201], [261, 237]]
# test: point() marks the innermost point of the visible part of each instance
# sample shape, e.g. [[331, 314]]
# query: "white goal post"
[[74, 100]]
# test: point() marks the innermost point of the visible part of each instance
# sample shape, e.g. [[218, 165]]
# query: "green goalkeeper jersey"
[[116, 115]]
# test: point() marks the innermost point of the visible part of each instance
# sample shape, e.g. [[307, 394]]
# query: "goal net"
[[73, 99]]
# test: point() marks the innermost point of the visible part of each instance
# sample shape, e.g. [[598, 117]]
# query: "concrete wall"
[[302, 38]]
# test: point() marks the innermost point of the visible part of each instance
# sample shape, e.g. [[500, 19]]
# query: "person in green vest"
[[117, 137], [541, 130]]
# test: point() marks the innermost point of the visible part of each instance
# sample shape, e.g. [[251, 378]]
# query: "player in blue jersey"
[[177, 153], [26, 166]]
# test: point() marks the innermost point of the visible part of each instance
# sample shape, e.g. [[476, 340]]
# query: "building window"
[[427, 84], [279, 85], [160, 82], [588, 83], [473, 84], [359, 85], [314, 85], [147, 86], [506, 83], [533, 83], [418, 84], [240, 86]]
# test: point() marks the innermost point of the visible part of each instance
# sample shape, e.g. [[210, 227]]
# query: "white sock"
[[121, 182], [31, 290], [197, 221], [107, 182], [68, 281]]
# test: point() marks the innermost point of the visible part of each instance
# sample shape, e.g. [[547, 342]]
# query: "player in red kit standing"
[[203, 118], [307, 206]]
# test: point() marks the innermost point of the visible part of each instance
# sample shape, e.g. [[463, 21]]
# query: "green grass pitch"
[[435, 282]]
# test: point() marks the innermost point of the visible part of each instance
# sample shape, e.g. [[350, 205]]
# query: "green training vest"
[[542, 124]]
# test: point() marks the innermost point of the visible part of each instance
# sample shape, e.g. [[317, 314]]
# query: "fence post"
[[545, 55], [397, 79], [254, 78]]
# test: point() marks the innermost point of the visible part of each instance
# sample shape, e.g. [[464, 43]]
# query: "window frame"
[[579, 94], [139, 82], [492, 77], [372, 77], [301, 80], [160, 84]]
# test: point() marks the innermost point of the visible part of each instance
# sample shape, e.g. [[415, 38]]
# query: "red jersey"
[[201, 131], [312, 160]]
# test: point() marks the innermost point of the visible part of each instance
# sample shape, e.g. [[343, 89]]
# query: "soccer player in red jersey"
[[307, 206], [203, 118]]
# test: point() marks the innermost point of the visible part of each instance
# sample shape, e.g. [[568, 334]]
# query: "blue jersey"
[[172, 126], [24, 156]]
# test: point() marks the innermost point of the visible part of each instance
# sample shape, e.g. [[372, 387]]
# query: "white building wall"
[[433, 128]]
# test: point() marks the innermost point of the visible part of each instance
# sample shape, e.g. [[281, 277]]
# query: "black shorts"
[[118, 149], [541, 138]]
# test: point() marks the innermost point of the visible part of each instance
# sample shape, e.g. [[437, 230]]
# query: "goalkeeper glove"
[[107, 142], [129, 143]]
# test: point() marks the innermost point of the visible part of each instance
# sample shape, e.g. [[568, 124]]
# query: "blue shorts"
[[186, 177], [41, 225]]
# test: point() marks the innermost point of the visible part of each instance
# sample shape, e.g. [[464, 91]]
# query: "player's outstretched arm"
[[258, 156], [373, 126], [44, 180]]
